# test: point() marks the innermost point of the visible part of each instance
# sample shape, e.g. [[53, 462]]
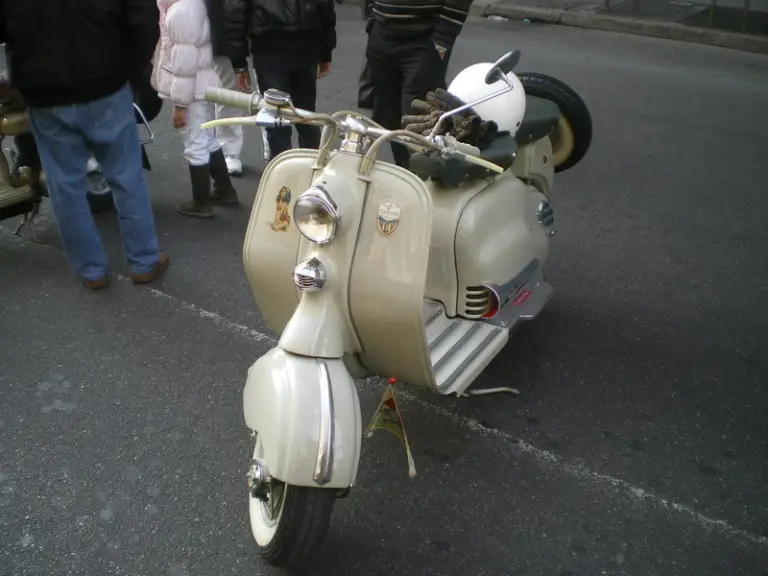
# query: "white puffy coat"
[[183, 62]]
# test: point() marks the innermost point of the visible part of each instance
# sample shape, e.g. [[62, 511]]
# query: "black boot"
[[223, 191], [200, 207]]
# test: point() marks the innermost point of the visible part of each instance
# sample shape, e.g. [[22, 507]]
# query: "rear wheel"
[[573, 136], [290, 522]]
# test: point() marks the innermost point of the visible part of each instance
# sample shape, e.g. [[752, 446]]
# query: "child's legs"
[[230, 137], [199, 143]]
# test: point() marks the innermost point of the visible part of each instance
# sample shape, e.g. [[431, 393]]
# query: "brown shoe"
[[195, 210], [97, 284], [157, 271]]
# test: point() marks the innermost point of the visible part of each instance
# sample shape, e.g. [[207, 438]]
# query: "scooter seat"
[[502, 150], [541, 117], [453, 170]]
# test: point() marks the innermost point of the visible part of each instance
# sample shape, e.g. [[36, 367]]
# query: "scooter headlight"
[[316, 215]]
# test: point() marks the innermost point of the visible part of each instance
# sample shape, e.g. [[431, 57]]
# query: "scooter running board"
[[460, 349]]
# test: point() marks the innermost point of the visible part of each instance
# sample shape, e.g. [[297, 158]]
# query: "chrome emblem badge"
[[388, 218]]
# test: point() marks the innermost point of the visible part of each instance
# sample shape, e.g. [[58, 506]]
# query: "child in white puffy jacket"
[[182, 70]]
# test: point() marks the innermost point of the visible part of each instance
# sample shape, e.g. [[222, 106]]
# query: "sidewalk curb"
[[590, 18]]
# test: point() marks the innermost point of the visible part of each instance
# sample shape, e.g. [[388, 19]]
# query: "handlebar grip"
[[230, 98]]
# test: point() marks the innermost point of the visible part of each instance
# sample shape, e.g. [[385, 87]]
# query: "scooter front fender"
[[306, 412]]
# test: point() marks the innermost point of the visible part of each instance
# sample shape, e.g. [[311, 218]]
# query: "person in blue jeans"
[[80, 101]]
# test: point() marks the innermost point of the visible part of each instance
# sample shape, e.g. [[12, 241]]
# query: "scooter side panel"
[[283, 404], [386, 291], [448, 204], [534, 164], [271, 246], [499, 234]]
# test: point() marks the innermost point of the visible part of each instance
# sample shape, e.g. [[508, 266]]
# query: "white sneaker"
[[234, 165], [92, 166]]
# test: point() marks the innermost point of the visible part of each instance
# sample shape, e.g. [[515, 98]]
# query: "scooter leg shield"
[[306, 412]]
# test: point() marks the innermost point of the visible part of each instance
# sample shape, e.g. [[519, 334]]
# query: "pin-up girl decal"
[[282, 218]]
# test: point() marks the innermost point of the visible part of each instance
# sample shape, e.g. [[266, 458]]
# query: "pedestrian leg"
[[444, 71], [422, 71], [387, 80], [304, 95], [64, 154], [111, 128], [279, 138], [230, 138], [198, 146]]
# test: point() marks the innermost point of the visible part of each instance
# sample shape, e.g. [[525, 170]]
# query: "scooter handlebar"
[[250, 102], [231, 98]]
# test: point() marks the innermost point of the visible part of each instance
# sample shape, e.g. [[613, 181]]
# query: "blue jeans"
[[65, 135]]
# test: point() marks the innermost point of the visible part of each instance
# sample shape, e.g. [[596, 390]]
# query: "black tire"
[[302, 527], [100, 202], [575, 125]]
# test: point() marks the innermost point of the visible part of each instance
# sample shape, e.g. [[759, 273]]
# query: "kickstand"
[[484, 391], [28, 219]]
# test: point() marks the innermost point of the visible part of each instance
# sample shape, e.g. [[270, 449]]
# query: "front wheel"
[[291, 521]]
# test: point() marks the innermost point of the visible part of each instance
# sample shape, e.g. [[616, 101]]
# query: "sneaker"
[[92, 166], [234, 165]]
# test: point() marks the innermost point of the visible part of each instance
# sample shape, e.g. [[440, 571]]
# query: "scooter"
[[22, 187], [364, 267]]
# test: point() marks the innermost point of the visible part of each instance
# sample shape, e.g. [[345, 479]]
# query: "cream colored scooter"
[[364, 268]]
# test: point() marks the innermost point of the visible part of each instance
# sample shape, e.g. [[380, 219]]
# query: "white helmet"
[[507, 110]]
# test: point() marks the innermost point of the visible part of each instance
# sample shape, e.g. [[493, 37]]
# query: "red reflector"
[[521, 297], [493, 309]]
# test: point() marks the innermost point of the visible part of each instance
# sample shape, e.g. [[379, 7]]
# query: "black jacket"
[[255, 19], [69, 52], [216, 18], [442, 19]]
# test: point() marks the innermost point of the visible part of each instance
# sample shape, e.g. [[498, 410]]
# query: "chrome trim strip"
[[455, 348], [504, 292], [469, 359], [324, 462]]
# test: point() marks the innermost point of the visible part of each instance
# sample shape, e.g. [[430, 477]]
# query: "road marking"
[[219, 320], [583, 473], [578, 471]]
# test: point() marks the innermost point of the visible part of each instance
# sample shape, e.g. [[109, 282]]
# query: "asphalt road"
[[638, 445]]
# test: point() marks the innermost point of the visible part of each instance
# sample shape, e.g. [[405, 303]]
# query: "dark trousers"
[[401, 69], [301, 84]]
